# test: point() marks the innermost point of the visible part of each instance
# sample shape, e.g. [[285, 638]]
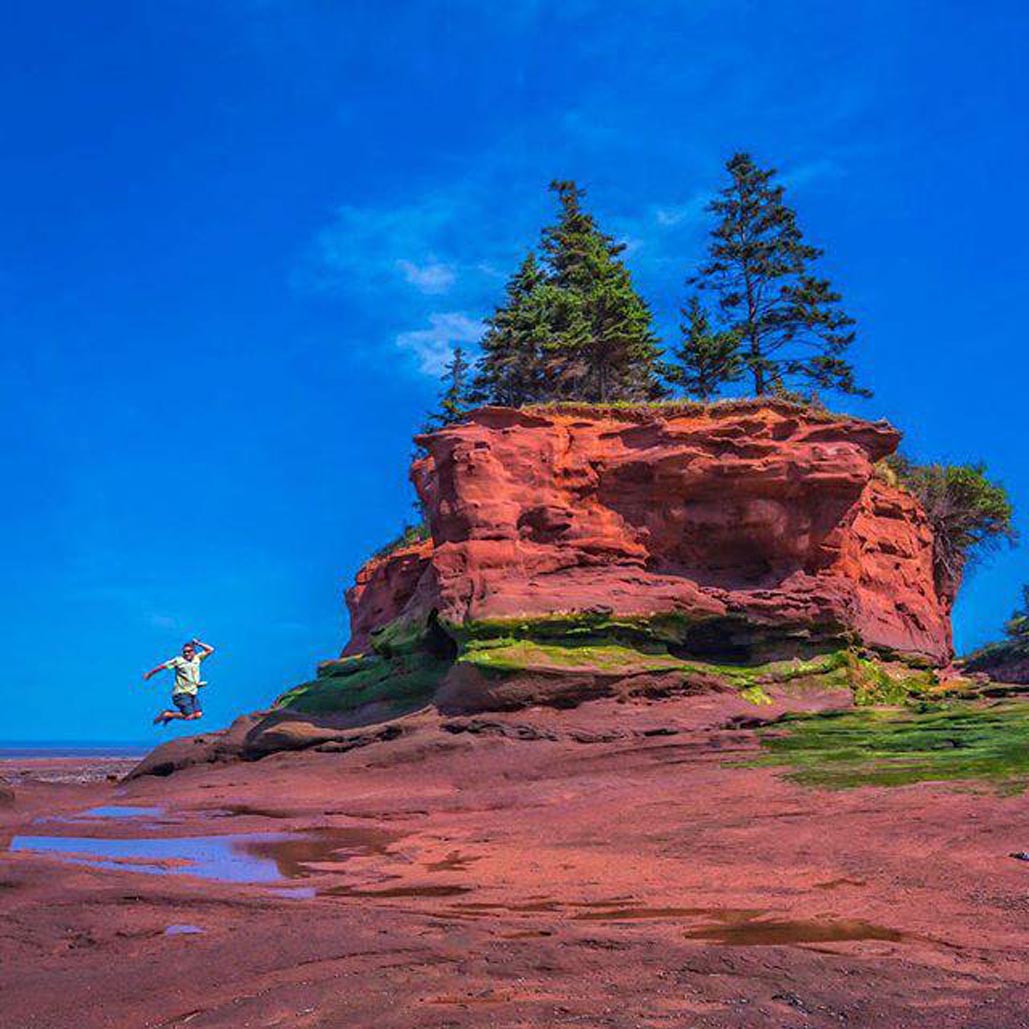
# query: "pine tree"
[[1017, 627], [454, 400], [602, 346], [707, 359], [513, 366], [789, 322]]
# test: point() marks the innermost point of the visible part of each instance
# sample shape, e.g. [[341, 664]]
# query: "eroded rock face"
[[1002, 666], [384, 586], [763, 524]]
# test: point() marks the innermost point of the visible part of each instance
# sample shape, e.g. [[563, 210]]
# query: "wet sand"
[[476, 879], [84, 769]]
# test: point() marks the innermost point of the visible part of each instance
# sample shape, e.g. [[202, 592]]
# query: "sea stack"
[[575, 551]]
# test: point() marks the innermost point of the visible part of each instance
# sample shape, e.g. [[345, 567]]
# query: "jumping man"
[[187, 682]]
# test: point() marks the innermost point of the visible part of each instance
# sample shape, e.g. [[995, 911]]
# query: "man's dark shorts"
[[187, 703]]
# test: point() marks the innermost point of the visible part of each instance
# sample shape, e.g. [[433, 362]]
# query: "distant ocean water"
[[51, 749]]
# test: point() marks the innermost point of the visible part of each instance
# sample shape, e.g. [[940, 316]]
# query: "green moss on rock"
[[518, 655], [755, 695], [875, 683], [402, 674], [402, 684], [411, 658], [895, 747], [536, 647], [639, 631]]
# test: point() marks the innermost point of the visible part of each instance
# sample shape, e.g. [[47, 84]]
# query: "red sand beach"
[[497, 877]]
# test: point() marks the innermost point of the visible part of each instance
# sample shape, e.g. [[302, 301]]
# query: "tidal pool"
[[240, 858], [121, 811], [785, 932], [106, 811]]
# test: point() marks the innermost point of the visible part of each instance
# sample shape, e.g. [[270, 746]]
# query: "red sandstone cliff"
[[757, 519]]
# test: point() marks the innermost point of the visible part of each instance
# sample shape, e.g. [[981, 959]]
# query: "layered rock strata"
[[760, 526]]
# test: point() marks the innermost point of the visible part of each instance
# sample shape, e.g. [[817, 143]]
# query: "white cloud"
[[393, 260], [802, 174], [433, 346], [432, 277], [691, 212], [376, 247]]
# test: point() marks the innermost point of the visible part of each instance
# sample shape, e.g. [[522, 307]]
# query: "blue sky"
[[238, 237]]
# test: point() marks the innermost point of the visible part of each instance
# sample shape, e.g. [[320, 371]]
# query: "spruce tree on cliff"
[[513, 368], [792, 331], [454, 401], [707, 359], [601, 346]]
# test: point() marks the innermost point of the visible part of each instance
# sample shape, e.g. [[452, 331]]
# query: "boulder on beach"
[[206, 748]]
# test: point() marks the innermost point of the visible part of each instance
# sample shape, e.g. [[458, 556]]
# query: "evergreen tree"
[[602, 347], [454, 400], [707, 359], [789, 322], [513, 366], [1017, 627], [996, 658], [970, 514]]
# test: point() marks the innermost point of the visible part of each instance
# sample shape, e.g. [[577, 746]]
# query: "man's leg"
[[168, 716], [186, 704], [189, 705]]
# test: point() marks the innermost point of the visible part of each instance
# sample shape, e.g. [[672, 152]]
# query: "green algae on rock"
[[898, 746], [401, 675], [564, 660]]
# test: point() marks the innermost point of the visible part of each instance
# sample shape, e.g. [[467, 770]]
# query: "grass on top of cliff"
[[637, 410], [896, 747]]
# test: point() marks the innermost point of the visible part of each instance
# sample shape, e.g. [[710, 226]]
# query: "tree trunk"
[[755, 365]]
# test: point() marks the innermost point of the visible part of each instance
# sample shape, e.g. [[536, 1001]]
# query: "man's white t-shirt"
[[187, 674]]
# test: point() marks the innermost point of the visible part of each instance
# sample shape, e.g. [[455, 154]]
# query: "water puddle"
[[242, 858], [224, 858], [630, 914], [775, 932], [296, 892], [183, 930], [95, 814], [246, 811], [398, 891], [739, 927], [476, 907], [121, 811]]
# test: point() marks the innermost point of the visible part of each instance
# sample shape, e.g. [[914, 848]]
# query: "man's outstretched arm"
[[153, 671], [204, 649]]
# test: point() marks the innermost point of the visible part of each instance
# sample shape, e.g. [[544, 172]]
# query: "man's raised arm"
[[205, 649]]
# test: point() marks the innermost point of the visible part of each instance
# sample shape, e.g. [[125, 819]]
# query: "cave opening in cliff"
[[438, 642], [715, 641]]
